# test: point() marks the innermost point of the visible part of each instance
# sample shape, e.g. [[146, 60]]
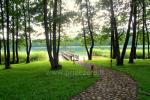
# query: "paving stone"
[[112, 85]]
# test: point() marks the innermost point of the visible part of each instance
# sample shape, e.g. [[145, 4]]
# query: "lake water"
[[78, 50], [74, 49]]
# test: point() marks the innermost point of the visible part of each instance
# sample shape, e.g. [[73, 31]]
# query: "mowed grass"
[[140, 71], [35, 81]]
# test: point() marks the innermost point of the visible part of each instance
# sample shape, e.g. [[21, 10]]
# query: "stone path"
[[112, 85]]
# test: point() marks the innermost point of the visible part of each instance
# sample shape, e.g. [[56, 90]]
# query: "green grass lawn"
[[140, 71], [34, 56], [35, 82], [106, 53]]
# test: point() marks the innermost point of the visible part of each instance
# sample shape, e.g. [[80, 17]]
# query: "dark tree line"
[[11, 14], [137, 8]]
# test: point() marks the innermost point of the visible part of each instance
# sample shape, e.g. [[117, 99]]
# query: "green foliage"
[[106, 30], [38, 43], [65, 40]]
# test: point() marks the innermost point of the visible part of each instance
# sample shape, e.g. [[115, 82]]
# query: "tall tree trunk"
[[51, 39], [29, 39], [2, 30], [55, 15], [143, 28], [113, 46], [25, 29], [7, 65], [148, 41], [90, 25], [113, 52], [2, 22], [116, 41], [27, 36], [147, 33], [50, 31], [59, 29], [138, 29], [132, 53], [17, 34], [112, 42], [48, 37], [90, 28], [84, 35], [13, 36], [0, 51], [127, 35]]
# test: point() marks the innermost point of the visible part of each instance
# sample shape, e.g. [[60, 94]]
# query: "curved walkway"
[[112, 85]]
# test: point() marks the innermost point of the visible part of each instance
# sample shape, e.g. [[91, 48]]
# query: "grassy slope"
[[140, 71], [35, 82]]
